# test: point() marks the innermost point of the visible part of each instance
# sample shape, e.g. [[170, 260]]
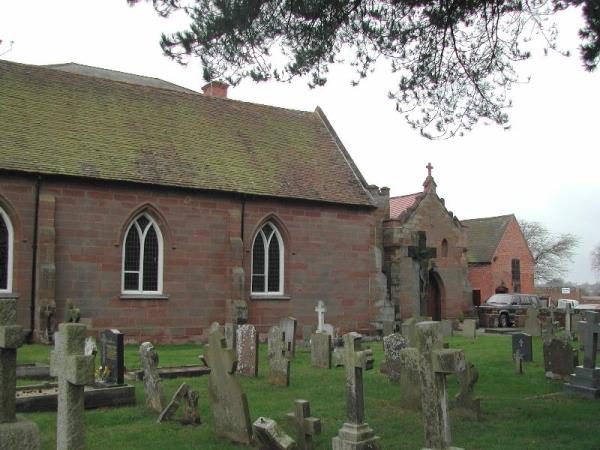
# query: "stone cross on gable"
[[321, 309], [589, 337], [429, 167], [355, 433], [306, 426], [228, 403], [434, 365], [16, 433], [74, 370], [422, 255]]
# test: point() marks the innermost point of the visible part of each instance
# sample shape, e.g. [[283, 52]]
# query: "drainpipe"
[[38, 184]]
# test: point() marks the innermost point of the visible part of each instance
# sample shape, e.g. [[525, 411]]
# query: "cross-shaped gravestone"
[[422, 255], [434, 365], [74, 371], [321, 309], [586, 379], [355, 434], [228, 403], [306, 426], [16, 433], [429, 167], [279, 364]]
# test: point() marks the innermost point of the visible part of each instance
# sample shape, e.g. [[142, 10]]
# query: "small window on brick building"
[[267, 261], [6, 252], [142, 257], [444, 248], [516, 275]]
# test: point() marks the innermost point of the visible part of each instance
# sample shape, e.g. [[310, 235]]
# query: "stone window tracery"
[[6, 252], [267, 261]]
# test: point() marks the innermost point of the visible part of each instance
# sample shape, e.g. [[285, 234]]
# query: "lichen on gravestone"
[[153, 389]]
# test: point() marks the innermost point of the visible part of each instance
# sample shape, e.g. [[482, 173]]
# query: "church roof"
[[484, 236], [401, 203], [131, 129]]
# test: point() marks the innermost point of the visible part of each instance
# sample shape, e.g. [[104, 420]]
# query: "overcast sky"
[[545, 168]]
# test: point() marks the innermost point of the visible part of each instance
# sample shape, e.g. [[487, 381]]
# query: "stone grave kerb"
[[434, 365], [74, 370], [306, 427], [229, 405], [321, 309]]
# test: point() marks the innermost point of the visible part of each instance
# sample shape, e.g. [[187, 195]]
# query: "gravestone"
[[410, 379], [74, 370], [269, 436], [330, 330], [560, 359], [279, 364], [307, 331], [228, 403], [446, 328], [409, 328], [339, 356], [355, 434], [518, 356], [464, 400], [522, 342], [392, 345], [320, 351], [434, 365], [191, 415], [547, 329], [306, 427], [16, 433], [288, 326], [568, 317], [90, 347], [469, 328], [320, 309], [586, 379], [532, 323], [247, 350], [240, 312], [112, 355], [153, 389], [230, 331]]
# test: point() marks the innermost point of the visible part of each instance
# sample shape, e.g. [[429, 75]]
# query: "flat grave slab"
[[192, 370], [33, 371]]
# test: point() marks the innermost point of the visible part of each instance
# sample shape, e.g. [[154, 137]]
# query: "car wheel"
[[504, 321]]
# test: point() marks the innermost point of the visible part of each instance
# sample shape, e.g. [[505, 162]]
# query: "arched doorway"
[[435, 293]]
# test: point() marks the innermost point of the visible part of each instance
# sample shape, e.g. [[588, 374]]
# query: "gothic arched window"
[[6, 252], [142, 257], [267, 261], [444, 248]]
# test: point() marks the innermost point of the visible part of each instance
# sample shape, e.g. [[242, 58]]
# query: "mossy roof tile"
[[55, 122]]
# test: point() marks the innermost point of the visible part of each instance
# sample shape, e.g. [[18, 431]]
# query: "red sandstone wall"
[[480, 277], [197, 228]]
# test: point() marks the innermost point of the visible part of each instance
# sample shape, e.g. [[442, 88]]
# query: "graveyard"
[[525, 411]]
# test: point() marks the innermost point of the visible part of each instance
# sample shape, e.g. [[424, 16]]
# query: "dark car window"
[[500, 299]]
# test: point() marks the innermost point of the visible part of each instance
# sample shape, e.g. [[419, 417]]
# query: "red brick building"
[[153, 207], [444, 278], [499, 258]]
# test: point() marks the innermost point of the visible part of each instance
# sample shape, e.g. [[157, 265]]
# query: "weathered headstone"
[[522, 342], [279, 363], [74, 370], [434, 366], [307, 331], [464, 400], [560, 359], [586, 379], [320, 309], [16, 433], [410, 379], [230, 331], [320, 351], [355, 434], [532, 323], [228, 403], [269, 436], [330, 330], [392, 345], [247, 350], [288, 326], [408, 330], [191, 415], [306, 426], [112, 355], [240, 312], [446, 328], [155, 396], [469, 328]]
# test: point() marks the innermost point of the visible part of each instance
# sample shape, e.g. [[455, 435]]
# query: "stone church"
[[425, 255]]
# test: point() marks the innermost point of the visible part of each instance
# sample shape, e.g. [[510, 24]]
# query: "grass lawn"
[[516, 412]]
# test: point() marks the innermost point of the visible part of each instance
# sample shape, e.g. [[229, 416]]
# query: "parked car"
[[506, 310]]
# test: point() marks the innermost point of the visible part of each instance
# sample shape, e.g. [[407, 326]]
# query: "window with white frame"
[[267, 261], [6, 252], [142, 257]]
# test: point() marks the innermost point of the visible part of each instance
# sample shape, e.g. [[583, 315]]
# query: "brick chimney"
[[215, 89]]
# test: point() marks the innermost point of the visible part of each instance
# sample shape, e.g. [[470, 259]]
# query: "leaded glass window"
[[142, 257], [267, 261], [6, 252]]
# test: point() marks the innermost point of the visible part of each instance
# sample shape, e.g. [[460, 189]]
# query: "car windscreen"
[[500, 299]]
